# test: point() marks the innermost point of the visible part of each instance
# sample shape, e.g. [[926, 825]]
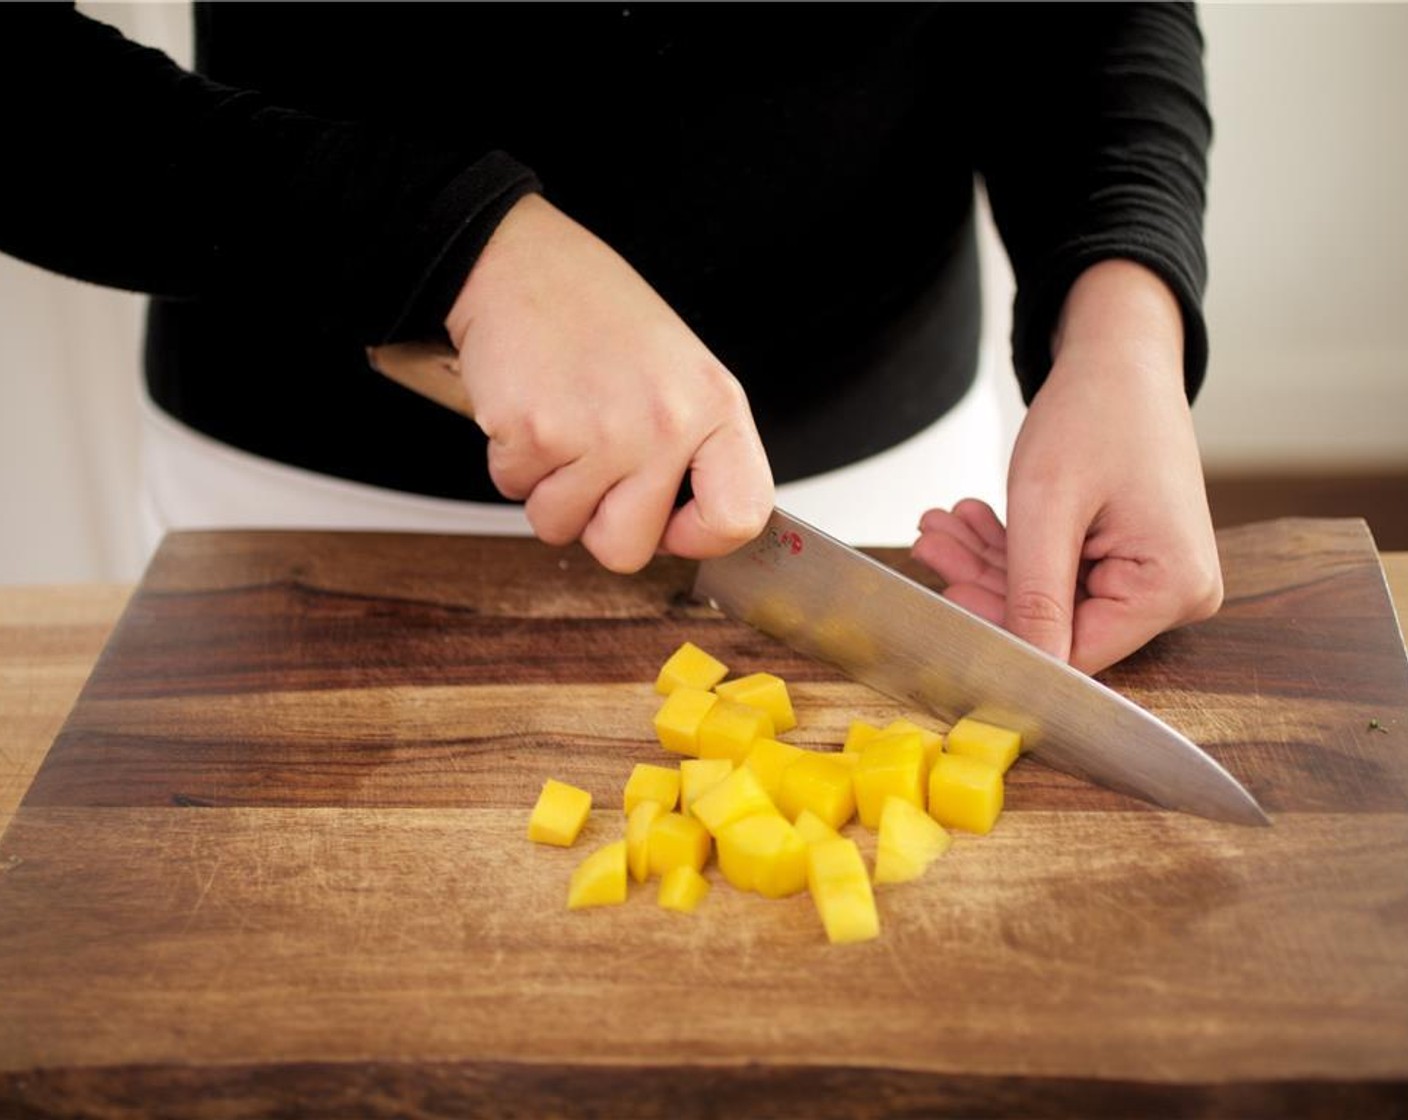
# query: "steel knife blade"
[[832, 602]]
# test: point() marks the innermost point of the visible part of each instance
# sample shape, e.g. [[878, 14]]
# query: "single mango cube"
[[840, 890], [965, 792], [698, 776], [689, 667], [765, 691], [739, 795], [675, 840], [638, 838], [820, 783], [559, 814], [909, 841], [764, 853], [860, 735], [994, 745], [729, 730], [682, 888], [600, 879], [812, 829], [933, 741], [651, 783], [889, 767], [677, 722], [768, 759]]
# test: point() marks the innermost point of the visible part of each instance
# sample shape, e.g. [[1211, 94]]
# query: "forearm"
[[136, 174], [1094, 148]]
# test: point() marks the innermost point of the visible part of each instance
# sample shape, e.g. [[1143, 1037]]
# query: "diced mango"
[[689, 667], [651, 783], [812, 829], [889, 767], [848, 759], [818, 782], [698, 776], [763, 853], [729, 730], [638, 838], [677, 722], [600, 879], [840, 889], [860, 734], [933, 741], [674, 841], [994, 745], [909, 841], [965, 792], [737, 796], [768, 759], [765, 691], [559, 814], [682, 888]]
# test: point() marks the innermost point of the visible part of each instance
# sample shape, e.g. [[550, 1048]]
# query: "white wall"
[[1308, 302], [1308, 236]]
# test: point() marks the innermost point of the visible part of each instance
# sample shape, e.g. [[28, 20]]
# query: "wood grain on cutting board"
[[277, 850]]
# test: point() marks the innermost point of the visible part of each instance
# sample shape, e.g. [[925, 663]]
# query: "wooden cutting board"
[[275, 864]]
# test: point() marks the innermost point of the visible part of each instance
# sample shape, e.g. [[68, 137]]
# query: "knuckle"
[[1035, 606]]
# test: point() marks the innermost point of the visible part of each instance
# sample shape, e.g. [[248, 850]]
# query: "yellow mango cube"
[[812, 829], [559, 814], [729, 730], [933, 741], [739, 795], [860, 735], [675, 840], [909, 841], [689, 667], [765, 691], [677, 722], [698, 776], [768, 759], [651, 783], [764, 853], [994, 745], [965, 792], [600, 879], [889, 767], [840, 890], [818, 782], [638, 838], [681, 889]]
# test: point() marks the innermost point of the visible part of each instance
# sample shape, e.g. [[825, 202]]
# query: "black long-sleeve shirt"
[[795, 180]]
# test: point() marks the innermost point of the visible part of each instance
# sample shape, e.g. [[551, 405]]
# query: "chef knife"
[[824, 599], [831, 602]]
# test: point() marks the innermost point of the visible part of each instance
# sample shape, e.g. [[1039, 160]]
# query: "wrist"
[[510, 229], [1119, 307]]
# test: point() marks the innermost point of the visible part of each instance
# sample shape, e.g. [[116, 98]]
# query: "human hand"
[[1109, 541], [597, 399]]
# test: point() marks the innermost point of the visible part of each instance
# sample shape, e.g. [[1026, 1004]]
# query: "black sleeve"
[[1092, 135], [127, 171]]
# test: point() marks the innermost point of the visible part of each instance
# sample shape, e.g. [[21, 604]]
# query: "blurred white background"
[[1308, 301]]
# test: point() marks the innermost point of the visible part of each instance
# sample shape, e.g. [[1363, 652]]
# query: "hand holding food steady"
[[1109, 540], [597, 399]]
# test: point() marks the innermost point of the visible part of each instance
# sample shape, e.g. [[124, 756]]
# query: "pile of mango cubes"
[[774, 812]]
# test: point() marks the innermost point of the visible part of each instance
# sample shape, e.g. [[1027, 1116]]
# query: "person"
[[725, 243]]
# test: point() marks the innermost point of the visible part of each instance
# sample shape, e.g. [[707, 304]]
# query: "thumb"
[[733, 495], [1044, 542]]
